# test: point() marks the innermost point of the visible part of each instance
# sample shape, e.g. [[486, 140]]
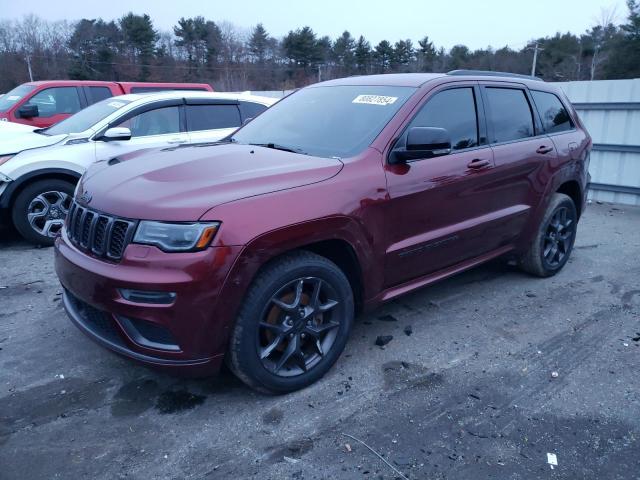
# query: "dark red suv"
[[259, 250]]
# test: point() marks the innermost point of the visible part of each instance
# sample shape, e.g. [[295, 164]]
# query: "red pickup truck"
[[41, 104]]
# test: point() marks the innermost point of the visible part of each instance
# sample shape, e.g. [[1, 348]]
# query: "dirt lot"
[[469, 393]]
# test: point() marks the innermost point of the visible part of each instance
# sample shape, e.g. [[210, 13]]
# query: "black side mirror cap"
[[28, 111], [422, 142], [428, 139]]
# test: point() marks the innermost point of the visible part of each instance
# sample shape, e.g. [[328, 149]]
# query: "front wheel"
[[40, 209], [293, 325], [553, 242]]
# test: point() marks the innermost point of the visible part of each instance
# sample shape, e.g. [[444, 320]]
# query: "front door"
[[159, 127], [54, 105], [440, 211]]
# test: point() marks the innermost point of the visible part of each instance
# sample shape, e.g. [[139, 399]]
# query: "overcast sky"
[[447, 22]]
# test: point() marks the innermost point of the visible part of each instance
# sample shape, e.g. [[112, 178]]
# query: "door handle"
[[544, 149], [478, 163], [177, 140]]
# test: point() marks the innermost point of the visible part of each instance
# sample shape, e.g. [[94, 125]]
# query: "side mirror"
[[28, 111], [423, 142], [116, 133]]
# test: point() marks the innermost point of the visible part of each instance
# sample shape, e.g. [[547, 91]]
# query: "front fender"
[[270, 245]]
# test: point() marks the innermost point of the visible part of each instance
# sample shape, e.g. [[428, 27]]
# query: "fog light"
[[143, 296]]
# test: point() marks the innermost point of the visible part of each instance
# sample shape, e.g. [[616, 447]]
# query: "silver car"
[[39, 168]]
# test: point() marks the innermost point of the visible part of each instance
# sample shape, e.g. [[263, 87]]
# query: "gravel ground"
[[465, 389]]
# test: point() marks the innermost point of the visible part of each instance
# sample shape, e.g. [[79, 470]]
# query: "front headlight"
[[5, 158], [176, 237]]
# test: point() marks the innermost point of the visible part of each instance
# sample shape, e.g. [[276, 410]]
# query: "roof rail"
[[490, 73]]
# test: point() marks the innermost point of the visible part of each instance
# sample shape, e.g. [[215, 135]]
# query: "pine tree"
[[362, 55], [259, 43]]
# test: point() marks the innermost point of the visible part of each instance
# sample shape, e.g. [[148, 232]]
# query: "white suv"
[[39, 168]]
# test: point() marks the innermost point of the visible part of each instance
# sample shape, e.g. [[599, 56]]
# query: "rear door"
[[157, 125], [211, 120], [522, 152]]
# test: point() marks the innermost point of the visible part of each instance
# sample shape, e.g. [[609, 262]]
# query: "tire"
[[277, 350], [552, 244], [40, 209]]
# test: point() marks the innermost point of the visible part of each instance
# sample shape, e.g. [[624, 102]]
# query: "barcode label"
[[375, 100]]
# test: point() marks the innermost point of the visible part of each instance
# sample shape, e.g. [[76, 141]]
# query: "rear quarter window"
[[251, 110], [97, 94], [212, 117], [555, 117]]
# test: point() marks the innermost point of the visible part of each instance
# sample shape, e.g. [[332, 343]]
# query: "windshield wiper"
[[275, 146]]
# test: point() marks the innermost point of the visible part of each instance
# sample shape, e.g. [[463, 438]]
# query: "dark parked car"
[[261, 249]]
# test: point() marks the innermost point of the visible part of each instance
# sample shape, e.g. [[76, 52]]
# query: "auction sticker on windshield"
[[381, 100]]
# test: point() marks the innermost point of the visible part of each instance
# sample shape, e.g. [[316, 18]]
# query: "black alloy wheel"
[[293, 323], [558, 238], [298, 326]]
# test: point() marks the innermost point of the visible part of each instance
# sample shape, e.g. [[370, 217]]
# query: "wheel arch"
[[14, 188], [342, 253], [572, 189], [340, 239]]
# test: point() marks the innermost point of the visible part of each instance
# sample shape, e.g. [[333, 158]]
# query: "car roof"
[[173, 94], [418, 79], [385, 79]]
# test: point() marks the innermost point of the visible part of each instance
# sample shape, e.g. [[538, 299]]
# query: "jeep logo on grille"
[[85, 198]]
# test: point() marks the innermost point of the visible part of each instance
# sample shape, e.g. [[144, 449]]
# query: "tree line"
[[230, 58]]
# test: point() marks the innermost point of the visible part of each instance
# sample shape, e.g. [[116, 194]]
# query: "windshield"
[[338, 121], [14, 96], [87, 118]]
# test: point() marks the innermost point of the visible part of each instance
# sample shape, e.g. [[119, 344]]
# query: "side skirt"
[[434, 277]]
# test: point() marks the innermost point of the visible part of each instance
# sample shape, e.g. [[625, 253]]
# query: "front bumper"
[[184, 335]]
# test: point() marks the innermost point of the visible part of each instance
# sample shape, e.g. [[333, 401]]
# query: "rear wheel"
[[40, 209], [553, 242], [293, 325]]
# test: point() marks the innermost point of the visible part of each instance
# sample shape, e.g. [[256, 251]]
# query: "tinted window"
[[251, 110], [510, 114], [160, 121], [455, 111], [86, 118], [98, 93], [56, 100], [14, 96], [210, 117], [554, 116], [338, 121]]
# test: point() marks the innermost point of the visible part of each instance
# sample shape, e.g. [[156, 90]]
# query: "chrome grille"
[[103, 235]]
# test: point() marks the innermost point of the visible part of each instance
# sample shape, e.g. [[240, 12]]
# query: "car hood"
[[181, 184], [17, 139]]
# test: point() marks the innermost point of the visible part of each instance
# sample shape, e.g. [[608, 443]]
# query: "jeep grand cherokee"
[[259, 250]]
